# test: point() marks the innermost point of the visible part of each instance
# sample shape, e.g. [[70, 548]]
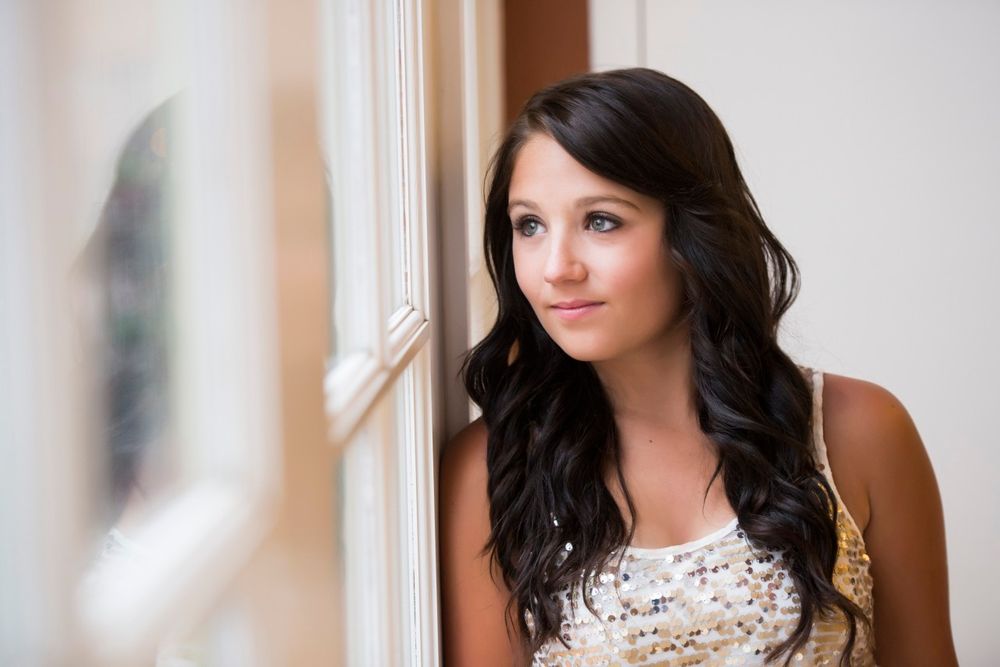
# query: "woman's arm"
[[473, 628], [904, 537]]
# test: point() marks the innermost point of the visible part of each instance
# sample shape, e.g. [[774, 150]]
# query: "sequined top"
[[714, 601]]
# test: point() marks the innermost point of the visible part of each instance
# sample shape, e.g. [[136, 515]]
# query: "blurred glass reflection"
[[121, 67], [137, 312], [127, 276]]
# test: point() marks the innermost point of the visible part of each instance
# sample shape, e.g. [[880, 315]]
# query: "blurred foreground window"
[[140, 420]]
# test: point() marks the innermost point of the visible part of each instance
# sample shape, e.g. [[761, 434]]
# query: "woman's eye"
[[599, 223], [603, 223], [526, 227]]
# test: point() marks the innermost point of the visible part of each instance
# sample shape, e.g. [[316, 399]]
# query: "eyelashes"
[[609, 223], [521, 224], [602, 223]]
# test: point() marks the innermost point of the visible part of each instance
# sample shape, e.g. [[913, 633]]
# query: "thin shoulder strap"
[[819, 443]]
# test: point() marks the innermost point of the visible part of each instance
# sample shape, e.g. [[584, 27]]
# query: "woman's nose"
[[563, 263]]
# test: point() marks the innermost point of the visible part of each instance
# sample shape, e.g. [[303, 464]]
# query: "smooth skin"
[[582, 236]]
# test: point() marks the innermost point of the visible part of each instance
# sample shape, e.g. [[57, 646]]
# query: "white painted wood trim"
[[486, 116], [408, 327], [416, 158], [355, 385], [421, 458], [469, 64], [357, 380], [393, 454], [422, 467]]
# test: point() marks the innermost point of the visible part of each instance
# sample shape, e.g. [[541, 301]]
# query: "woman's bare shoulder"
[[871, 437], [464, 501], [866, 420], [463, 460], [871, 440], [474, 597]]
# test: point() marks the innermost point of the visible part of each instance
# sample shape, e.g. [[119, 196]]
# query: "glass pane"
[[123, 74], [363, 147], [352, 279], [336, 242], [341, 545], [359, 552], [398, 221], [401, 445], [373, 494], [345, 119], [399, 261]]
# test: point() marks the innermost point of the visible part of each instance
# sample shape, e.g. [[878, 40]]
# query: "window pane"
[[123, 73], [372, 493], [343, 120], [399, 261], [392, 130], [361, 549], [337, 241], [406, 563]]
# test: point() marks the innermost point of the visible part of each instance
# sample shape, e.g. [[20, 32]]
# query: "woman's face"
[[579, 237]]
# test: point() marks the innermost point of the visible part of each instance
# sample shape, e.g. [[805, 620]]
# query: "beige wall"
[[868, 135]]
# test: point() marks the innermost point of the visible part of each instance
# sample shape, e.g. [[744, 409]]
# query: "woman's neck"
[[653, 387]]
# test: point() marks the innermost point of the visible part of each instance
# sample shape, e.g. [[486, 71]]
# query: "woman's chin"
[[587, 353]]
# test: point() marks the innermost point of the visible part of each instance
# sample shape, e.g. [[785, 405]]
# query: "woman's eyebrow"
[[587, 201], [527, 203], [583, 201]]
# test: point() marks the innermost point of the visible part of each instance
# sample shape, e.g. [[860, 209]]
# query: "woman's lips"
[[577, 312]]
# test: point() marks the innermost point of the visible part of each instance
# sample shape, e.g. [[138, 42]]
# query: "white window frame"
[[375, 131], [379, 69], [361, 88]]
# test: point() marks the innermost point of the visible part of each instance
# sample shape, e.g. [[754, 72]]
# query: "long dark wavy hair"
[[549, 420]]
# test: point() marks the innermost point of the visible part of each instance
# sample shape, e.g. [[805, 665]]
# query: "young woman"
[[653, 480]]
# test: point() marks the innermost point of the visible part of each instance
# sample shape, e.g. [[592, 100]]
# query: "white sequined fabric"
[[714, 601]]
